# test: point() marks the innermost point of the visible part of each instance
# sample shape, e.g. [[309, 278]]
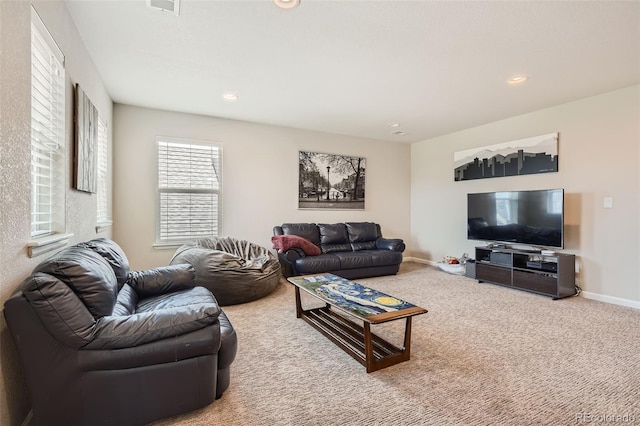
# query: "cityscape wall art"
[[538, 154]]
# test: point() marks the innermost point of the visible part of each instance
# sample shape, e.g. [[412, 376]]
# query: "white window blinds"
[[47, 132], [102, 178], [189, 190]]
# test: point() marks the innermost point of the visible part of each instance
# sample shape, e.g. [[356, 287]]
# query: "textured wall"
[[15, 122]]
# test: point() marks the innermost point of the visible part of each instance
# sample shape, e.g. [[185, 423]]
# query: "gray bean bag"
[[235, 271]]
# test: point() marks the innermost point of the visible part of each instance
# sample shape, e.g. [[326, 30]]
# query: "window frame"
[[103, 201], [174, 242], [47, 141]]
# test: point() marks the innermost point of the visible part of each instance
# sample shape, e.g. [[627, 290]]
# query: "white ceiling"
[[353, 67]]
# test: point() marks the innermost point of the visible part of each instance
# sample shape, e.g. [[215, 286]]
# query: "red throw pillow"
[[285, 242]]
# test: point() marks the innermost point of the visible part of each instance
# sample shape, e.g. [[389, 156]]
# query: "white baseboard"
[[586, 294], [418, 260], [611, 299]]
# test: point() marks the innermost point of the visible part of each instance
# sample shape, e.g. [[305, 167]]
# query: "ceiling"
[[354, 67]]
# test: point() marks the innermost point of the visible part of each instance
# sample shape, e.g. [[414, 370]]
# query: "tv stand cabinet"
[[549, 275]]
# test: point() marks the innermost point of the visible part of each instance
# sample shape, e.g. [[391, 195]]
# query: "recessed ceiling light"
[[394, 124], [517, 79], [398, 133], [230, 97], [286, 4]]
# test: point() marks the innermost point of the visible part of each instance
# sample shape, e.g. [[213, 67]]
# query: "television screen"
[[533, 218]]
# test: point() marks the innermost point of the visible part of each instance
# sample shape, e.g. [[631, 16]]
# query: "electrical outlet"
[[608, 203]]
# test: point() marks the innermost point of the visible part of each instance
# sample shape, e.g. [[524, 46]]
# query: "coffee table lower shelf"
[[368, 349]]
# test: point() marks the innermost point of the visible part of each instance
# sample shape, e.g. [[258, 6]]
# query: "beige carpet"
[[483, 355]]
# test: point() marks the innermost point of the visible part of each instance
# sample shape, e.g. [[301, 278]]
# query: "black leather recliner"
[[102, 345]]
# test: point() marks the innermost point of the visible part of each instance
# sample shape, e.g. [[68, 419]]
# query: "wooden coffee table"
[[362, 303]]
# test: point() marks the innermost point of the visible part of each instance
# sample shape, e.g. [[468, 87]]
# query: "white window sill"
[[167, 246], [46, 244], [103, 226]]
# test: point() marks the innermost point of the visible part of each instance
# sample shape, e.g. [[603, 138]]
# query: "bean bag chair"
[[235, 271]]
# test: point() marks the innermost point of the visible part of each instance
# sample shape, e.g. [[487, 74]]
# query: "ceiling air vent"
[[171, 6]]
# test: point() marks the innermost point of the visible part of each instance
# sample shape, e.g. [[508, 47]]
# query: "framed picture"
[[331, 181], [538, 154], [86, 139]]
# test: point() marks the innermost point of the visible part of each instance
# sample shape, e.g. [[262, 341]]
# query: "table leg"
[[368, 348], [298, 303], [407, 338]]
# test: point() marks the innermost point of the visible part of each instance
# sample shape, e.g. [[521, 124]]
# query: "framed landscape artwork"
[[538, 154], [86, 139], [331, 181]]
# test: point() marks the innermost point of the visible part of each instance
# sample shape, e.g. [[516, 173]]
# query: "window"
[[189, 190], [47, 132], [506, 208], [103, 218]]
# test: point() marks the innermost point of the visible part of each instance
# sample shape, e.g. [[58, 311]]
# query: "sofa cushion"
[[285, 242], [335, 248], [365, 245], [362, 231], [305, 230], [333, 233], [315, 264], [159, 317], [88, 274], [353, 260]]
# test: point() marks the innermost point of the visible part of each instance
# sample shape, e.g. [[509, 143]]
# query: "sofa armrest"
[[393, 244], [162, 280], [288, 261], [116, 332], [293, 254]]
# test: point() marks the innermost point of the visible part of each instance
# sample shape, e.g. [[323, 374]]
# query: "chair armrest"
[[165, 279], [204, 341], [116, 332], [393, 244]]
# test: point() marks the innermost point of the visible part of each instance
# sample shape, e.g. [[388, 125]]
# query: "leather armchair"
[[102, 345]]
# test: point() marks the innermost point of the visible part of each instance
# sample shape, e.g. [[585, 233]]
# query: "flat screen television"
[[532, 218]]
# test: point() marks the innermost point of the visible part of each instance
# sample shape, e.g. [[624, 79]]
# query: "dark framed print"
[[331, 181], [86, 139]]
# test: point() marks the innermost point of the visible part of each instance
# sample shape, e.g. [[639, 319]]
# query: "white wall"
[[598, 157], [15, 122], [260, 178]]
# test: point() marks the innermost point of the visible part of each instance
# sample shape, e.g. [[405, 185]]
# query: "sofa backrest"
[[305, 230], [335, 237]]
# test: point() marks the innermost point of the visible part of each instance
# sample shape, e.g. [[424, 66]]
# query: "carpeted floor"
[[483, 355]]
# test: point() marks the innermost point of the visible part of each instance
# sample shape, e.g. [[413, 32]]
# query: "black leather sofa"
[[101, 345], [350, 250]]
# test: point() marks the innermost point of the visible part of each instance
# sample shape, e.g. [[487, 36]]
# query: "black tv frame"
[[528, 231]]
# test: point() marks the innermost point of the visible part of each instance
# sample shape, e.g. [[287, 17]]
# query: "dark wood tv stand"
[[550, 275]]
